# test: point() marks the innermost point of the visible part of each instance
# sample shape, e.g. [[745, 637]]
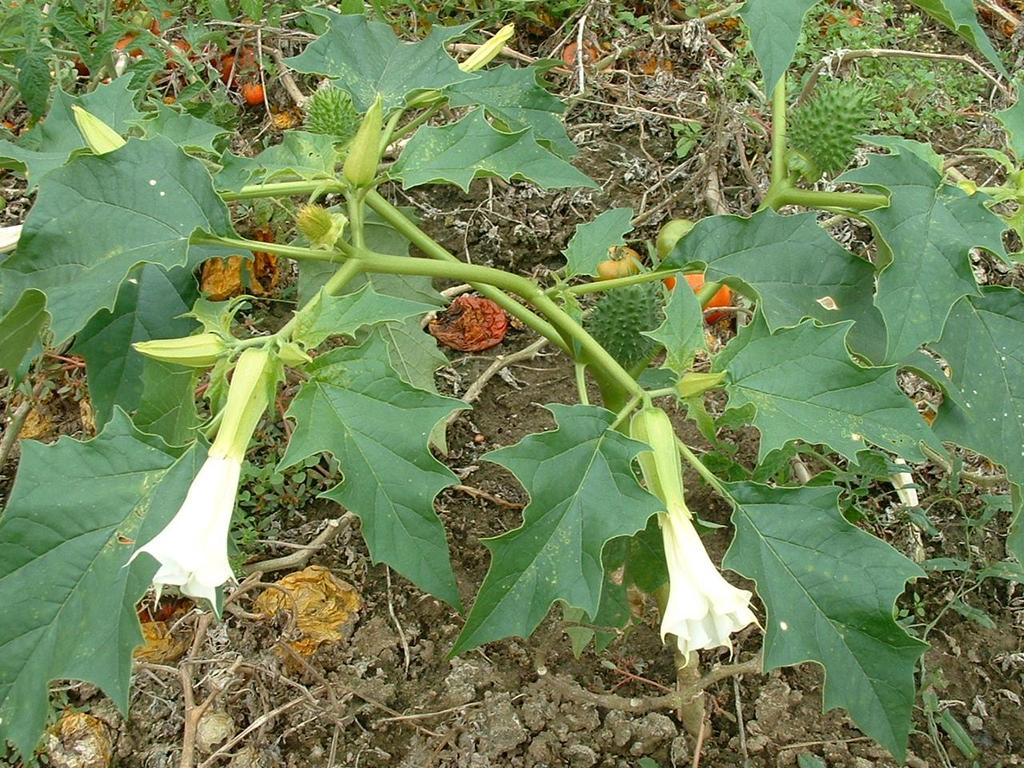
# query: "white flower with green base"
[[703, 609], [192, 548]]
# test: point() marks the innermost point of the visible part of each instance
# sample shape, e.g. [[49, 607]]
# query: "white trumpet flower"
[[192, 548], [9, 237], [703, 609]]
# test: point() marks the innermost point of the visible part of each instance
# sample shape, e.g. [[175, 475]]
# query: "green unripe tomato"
[[670, 234]]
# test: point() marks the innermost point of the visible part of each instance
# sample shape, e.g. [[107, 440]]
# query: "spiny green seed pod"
[[360, 167], [824, 130], [199, 351], [321, 227], [620, 316], [330, 113]]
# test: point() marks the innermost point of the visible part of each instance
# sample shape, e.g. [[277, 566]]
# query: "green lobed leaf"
[[69, 601], [366, 58], [514, 97], [183, 129], [682, 332], [100, 216], [829, 591], [929, 229], [355, 407], [344, 315], [49, 145], [792, 267], [149, 306], [19, 330], [804, 386], [471, 148], [34, 79], [774, 31], [959, 15], [303, 155], [983, 344], [1012, 120], [590, 243], [583, 493]]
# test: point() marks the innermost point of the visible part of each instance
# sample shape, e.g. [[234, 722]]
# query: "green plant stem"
[[597, 286], [284, 188], [781, 194], [291, 251], [425, 243], [581, 383], [779, 132], [356, 215], [413, 124], [563, 325], [706, 474], [627, 409]]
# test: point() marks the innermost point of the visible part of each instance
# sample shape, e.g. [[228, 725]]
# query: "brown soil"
[[387, 694]]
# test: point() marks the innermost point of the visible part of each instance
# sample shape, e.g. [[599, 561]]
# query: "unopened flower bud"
[[199, 351], [486, 52], [291, 354], [321, 227], [99, 136], [360, 167]]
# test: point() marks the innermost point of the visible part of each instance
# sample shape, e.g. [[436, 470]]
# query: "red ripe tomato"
[[253, 94], [723, 298]]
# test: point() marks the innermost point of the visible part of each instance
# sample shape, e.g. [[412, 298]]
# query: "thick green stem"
[[283, 189], [425, 243], [356, 216], [291, 251], [598, 286], [564, 326], [779, 132], [783, 194]]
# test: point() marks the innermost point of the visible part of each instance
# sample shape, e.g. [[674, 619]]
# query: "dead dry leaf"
[[324, 606]]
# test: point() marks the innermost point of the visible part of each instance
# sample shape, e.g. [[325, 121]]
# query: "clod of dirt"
[[324, 606], [215, 727], [650, 733], [465, 681], [79, 740], [494, 729], [470, 324]]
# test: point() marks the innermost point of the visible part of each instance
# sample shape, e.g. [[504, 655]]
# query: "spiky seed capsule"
[[620, 316], [824, 130], [330, 112]]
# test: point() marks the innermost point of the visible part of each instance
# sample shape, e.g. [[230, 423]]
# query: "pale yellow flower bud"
[[99, 136], [199, 351], [486, 52], [360, 167]]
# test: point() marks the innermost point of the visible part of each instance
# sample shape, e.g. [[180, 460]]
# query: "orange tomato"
[[670, 283], [233, 65], [723, 298], [623, 262], [252, 93]]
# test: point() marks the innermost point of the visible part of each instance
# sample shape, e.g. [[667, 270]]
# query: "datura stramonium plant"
[[703, 609], [192, 548]]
